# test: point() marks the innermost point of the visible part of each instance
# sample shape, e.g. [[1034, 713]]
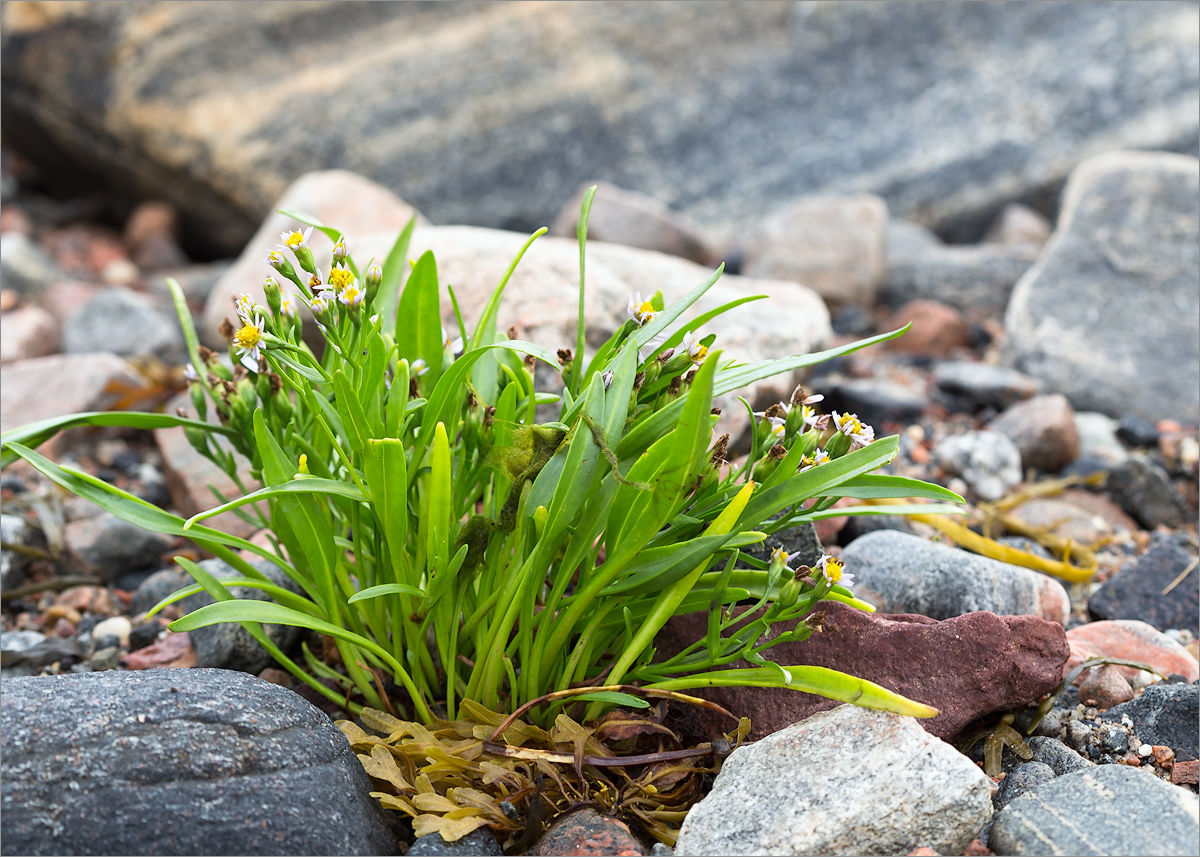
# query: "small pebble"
[[118, 626], [1145, 750], [106, 659]]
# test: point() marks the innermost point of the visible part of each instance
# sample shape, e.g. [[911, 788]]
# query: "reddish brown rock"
[[937, 329], [26, 332], [1104, 687], [87, 599], [151, 236], [976, 848], [173, 650], [1130, 640], [1185, 773], [1163, 755], [63, 384], [966, 666], [589, 834], [1043, 429]]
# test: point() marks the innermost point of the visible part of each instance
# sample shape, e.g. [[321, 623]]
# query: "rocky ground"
[[1051, 377]]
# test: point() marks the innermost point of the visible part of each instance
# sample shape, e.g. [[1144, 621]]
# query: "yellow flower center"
[[294, 240], [833, 570], [779, 555], [340, 278], [645, 311], [350, 295], [276, 258], [248, 337], [700, 353]]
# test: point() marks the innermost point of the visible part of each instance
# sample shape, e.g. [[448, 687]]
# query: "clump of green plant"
[[454, 549]]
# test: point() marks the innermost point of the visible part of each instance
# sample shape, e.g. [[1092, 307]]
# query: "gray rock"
[[1106, 316], [1137, 432], [477, 843], [900, 573], [112, 547], [156, 587], [178, 762], [859, 525], [123, 322], [1108, 810], [1021, 779], [1018, 224], [230, 646], [13, 643], [1058, 756], [1079, 735], [623, 217], [1136, 591], [835, 245], [800, 98], [1165, 714], [876, 400], [986, 460], [801, 540], [906, 239], [909, 789], [982, 385], [107, 658], [24, 268], [13, 531], [1144, 491], [974, 279]]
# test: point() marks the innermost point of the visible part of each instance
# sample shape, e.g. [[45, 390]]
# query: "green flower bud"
[[373, 278], [280, 263], [271, 290], [199, 399], [838, 445]]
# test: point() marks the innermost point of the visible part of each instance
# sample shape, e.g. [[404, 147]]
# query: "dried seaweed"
[[489, 770]]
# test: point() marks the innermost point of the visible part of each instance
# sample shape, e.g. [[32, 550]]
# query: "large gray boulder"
[[493, 113], [1107, 315], [178, 762]]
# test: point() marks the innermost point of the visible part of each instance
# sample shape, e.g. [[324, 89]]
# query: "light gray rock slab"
[[1107, 315], [902, 573], [1105, 810], [125, 323], [846, 781], [987, 461]]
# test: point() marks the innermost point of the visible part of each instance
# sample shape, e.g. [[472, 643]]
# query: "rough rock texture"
[[1107, 314], [621, 216], [1136, 591], [25, 332], [111, 547], [987, 461], [1142, 489], [1075, 815], [1165, 714], [587, 833], [163, 762], [62, 384], [1061, 758], [900, 573], [975, 279], [966, 667], [873, 782], [835, 245], [1022, 779], [477, 843], [200, 105]]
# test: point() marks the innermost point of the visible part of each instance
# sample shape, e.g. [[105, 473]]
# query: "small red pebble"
[[976, 848], [1162, 755], [1186, 773], [924, 852]]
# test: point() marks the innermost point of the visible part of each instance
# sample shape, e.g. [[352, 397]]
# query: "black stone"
[[860, 525], [1061, 758], [156, 587], [1136, 592], [1144, 491], [178, 762], [143, 635], [1115, 740], [477, 842], [1137, 431], [800, 540], [1165, 715], [877, 401]]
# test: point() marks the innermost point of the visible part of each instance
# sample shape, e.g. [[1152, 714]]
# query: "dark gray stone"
[[859, 525], [876, 401], [1115, 740], [901, 573], [982, 385], [948, 110], [1137, 431], [477, 842], [230, 646], [1021, 779], [178, 762], [1165, 714], [156, 587], [1058, 756], [105, 658], [143, 635], [112, 547], [1145, 492], [975, 279], [1136, 591], [906, 240], [801, 540], [124, 323], [1107, 810], [1107, 314]]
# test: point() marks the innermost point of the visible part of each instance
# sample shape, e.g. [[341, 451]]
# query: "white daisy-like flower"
[[814, 419], [295, 239], [455, 344], [778, 427], [340, 250], [418, 367], [694, 347], [808, 462], [320, 304], [248, 341], [834, 570], [244, 304], [275, 259], [849, 425], [340, 278], [287, 303], [374, 274], [351, 295], [639, 310]]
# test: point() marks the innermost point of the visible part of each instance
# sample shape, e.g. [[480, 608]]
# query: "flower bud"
[[271, 290], [280, 263], [199, 399], [373, 278], [838, 445], [340, 252]]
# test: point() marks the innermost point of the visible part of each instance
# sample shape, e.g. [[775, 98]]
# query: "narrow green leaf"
[[307, 485], [310, 220], [419, 320], [664, 319], [626, 700], [385, 589], [394, 267]]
